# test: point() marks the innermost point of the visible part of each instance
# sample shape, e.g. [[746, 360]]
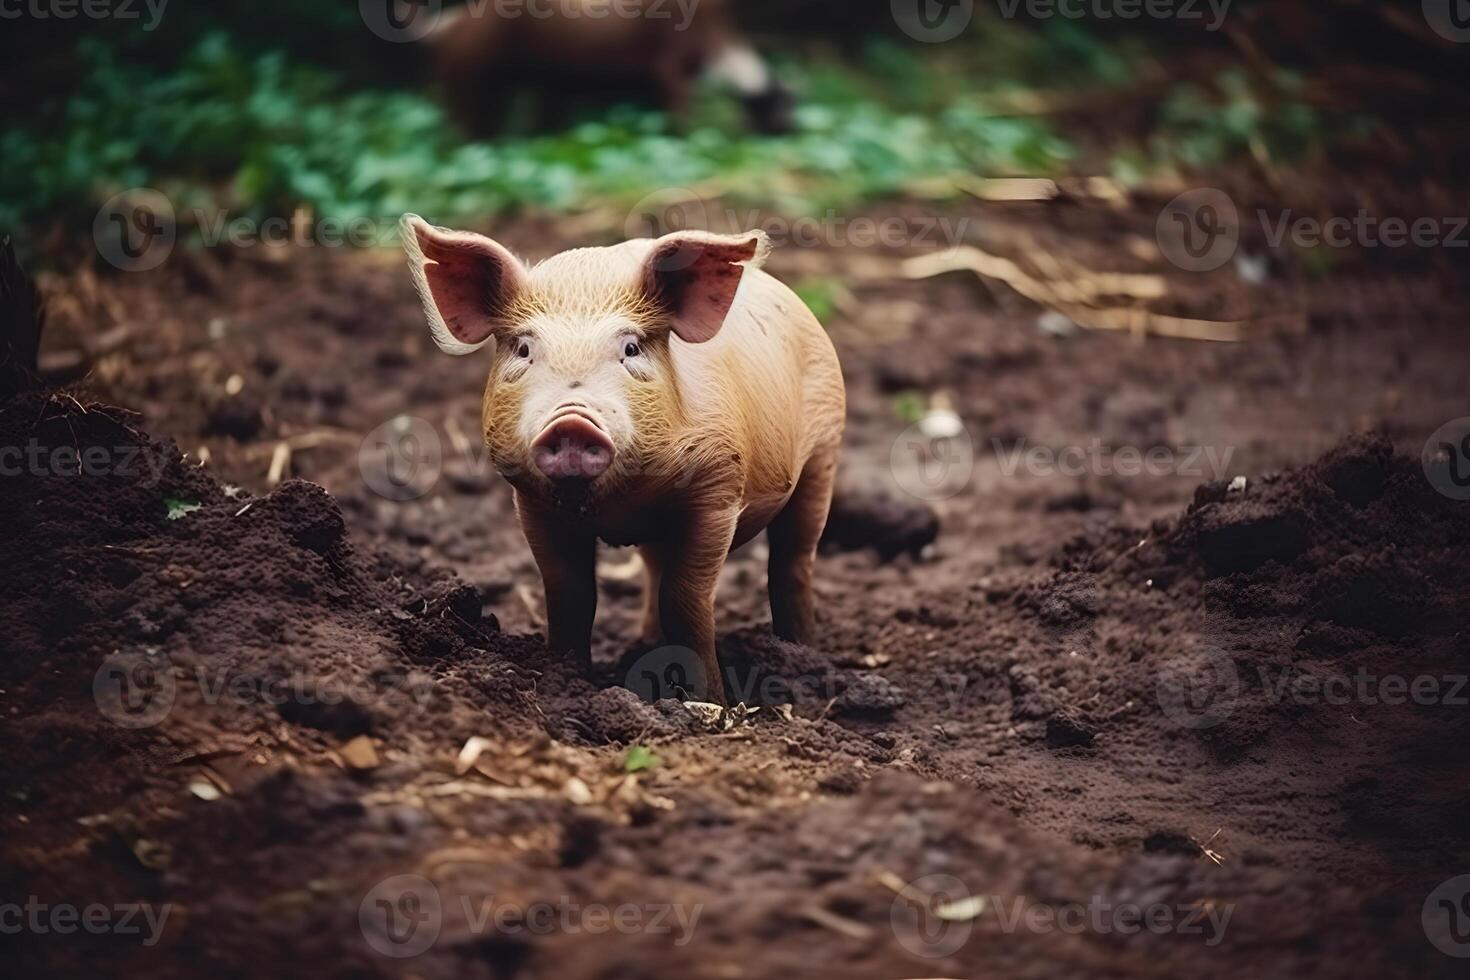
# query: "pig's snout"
[[572, 447]]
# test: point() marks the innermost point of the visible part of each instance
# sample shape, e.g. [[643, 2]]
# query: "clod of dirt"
[[619, 715], [889, 526], [1065, 730], [581, 840], [240, 416], [1246, 537], [310, 516], [1358, 470], [843, 782], [869, 694], [345, 719], [1171, 842]]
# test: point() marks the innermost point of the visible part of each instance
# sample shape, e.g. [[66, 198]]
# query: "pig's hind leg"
[[651, 632], [793, 538]]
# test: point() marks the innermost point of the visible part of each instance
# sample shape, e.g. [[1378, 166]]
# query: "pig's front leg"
[[567, 559], [693, 555]]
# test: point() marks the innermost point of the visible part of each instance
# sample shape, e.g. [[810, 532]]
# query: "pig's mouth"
[[572, 446]]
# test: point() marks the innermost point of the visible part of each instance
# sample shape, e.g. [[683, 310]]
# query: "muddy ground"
[[1091, 694]]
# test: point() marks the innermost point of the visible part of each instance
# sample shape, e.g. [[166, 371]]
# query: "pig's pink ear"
[[467, 283], [691, 277]]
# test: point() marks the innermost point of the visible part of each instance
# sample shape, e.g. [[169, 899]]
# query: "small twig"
[[280, 459]]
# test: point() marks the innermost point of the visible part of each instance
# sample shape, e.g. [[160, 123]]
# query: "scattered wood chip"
[[280, 460], [153, 855], [577, 792], [965, 910], [532, 604], [1207, 851], [717, 718], [470, 754], [359, 754], [833, 922], [204, 789], [624, 572], [1074, 295], [457, 438]]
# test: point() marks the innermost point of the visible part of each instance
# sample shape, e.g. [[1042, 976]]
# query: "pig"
[[572, 51], [665, 393]]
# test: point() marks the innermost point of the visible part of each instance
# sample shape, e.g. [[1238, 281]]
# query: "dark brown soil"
[[1086, 693]]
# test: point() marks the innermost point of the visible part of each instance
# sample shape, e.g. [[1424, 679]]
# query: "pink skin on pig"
[[667, 394]]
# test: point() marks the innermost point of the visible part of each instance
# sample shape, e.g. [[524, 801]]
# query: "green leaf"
[[640, 758], [179, 508], [909, 406]]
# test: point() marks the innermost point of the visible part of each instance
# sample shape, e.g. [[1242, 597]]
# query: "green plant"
[[641, 758], [260, 135]]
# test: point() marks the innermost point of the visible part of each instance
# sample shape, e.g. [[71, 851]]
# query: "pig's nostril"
[[572, 448], [576, 384]]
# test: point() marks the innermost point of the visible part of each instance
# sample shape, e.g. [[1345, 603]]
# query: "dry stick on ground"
[[1072, 297]]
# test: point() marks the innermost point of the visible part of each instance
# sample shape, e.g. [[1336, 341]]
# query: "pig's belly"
[[623, 529]]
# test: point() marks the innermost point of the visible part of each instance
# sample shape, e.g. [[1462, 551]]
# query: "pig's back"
[[778, 383]]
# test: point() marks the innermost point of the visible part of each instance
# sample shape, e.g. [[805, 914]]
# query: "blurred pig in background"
[[564, 57]]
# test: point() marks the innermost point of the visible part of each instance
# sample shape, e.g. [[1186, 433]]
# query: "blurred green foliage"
[[261, 135], [1237, 114], [251, 121]]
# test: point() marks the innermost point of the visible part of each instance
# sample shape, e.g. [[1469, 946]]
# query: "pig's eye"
[[631, 349], [523, 349]]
